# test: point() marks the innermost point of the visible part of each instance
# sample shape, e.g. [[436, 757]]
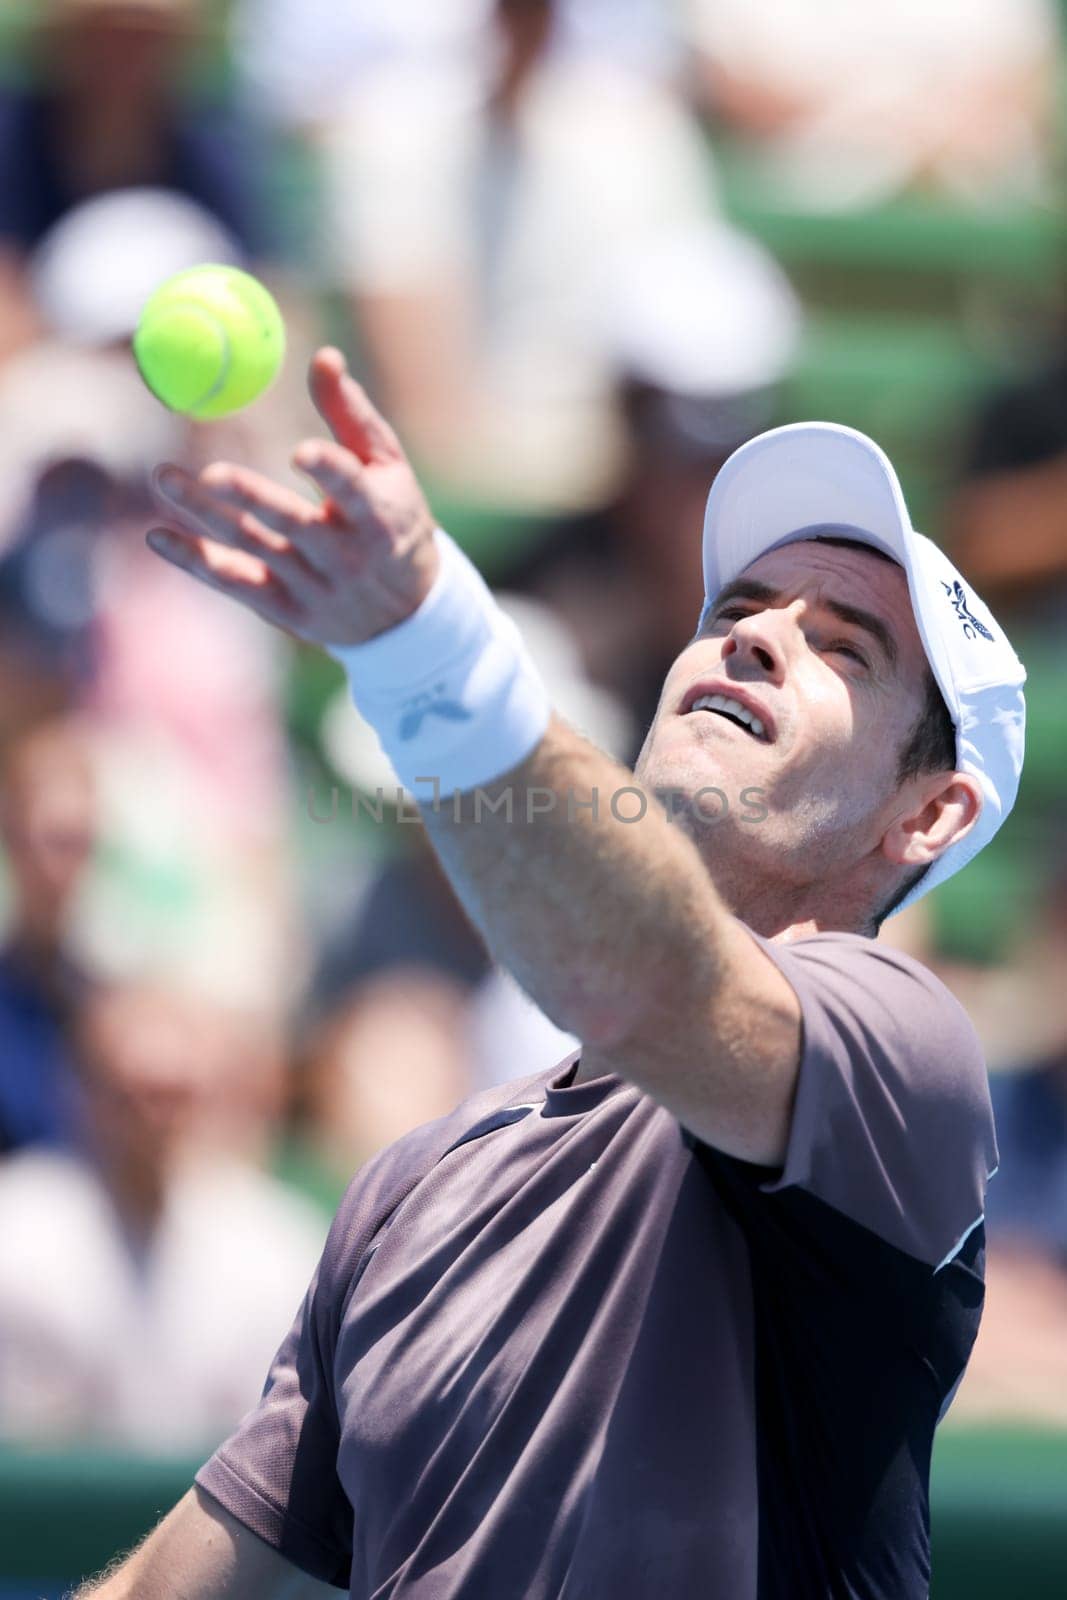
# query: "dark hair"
[[929, 747]]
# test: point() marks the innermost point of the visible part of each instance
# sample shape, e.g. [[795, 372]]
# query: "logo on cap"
[[971, 624]]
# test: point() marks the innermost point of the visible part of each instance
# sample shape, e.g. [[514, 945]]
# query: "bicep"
[[723, 1055], [200, 1552]]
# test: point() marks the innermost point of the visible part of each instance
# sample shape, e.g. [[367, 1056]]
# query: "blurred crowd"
[[230, 968]]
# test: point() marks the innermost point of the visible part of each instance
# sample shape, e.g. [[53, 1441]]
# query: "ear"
[[938, 810]]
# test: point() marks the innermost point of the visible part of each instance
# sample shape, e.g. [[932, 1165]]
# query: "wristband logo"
[[424, 705]]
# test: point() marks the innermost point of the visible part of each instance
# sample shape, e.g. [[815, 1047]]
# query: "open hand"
[[335, 572]]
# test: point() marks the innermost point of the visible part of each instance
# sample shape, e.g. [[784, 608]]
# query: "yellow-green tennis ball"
[[210, 340]]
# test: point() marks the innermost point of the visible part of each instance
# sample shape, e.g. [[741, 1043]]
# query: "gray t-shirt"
[[557, 1349]]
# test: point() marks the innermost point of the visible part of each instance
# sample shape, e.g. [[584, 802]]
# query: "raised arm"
[[200, 1552], [616, 930]]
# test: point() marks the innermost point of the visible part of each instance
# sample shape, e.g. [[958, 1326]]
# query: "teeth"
[[721, 702]]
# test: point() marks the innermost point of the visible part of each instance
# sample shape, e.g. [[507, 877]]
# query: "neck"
[[784, 914]]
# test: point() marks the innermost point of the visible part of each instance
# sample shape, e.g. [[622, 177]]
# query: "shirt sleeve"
[[277, 1474], [892, 1126]]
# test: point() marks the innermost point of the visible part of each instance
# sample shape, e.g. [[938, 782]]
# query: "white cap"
[[814, 477]]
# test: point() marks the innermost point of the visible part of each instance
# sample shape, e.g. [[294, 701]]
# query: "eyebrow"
[[749, 589]]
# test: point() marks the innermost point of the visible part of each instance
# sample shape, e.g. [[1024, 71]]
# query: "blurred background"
[[578, 250]]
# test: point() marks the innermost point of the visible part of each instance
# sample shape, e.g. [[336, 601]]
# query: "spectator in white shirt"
[[137, 1306]]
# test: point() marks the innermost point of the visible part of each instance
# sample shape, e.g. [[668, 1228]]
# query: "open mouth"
[[721, 705]]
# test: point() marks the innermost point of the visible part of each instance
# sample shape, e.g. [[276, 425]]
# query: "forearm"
[[189, 1554], [581, 885]]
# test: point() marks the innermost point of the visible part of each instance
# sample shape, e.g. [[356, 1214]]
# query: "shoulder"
[[385, 1181], [892, 991], [892, 1124], [888, 1026]]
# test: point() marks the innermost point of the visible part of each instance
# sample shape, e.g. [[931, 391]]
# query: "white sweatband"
[[451, 691]]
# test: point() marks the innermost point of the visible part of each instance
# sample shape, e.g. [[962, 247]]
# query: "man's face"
[[837, 694]]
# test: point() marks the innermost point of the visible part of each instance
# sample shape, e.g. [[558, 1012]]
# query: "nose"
[[761, 638]]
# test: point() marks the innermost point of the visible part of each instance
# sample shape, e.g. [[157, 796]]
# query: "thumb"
[[344, 407]]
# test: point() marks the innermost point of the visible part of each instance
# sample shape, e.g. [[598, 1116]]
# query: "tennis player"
[[676, 1318]]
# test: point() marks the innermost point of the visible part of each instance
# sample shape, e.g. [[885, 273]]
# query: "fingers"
[[232, 572], [279, 517], [245, 512], [347, 412], [276, 508], [339, 475]]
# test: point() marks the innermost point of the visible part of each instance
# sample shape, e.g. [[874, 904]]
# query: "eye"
[[730, 612], [842, 647]]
